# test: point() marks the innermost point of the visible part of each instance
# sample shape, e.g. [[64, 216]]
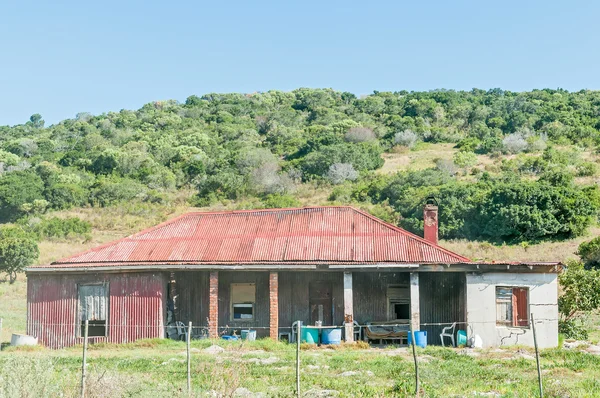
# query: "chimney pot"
[[430, 222]]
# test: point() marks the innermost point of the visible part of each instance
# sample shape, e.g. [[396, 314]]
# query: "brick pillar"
[[213, 305], [274, 305]]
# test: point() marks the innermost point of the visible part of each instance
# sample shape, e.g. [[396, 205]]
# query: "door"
[[321, 305]]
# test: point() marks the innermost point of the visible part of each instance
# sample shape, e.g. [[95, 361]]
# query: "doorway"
[[320, 302]]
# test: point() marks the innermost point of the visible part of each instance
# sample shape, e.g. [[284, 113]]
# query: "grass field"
[[157, 368]]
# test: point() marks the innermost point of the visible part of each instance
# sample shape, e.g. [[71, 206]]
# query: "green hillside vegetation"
[[512, 167]]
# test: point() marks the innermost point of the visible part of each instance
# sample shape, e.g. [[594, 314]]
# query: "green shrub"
[[590, 253], [587, 169], [280, 201], [65, 196], [16, 189], [61, 228], [113, 190], [573, 329], [464, 159]]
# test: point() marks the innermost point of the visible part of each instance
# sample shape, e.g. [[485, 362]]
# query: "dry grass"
[[546, 251], [13, 307]]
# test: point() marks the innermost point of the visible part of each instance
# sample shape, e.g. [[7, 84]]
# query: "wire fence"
[[89, 332]]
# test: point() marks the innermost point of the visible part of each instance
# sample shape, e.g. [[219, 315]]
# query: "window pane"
[[504, 308]]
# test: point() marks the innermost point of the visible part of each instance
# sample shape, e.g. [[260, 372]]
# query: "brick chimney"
[[430, 221]]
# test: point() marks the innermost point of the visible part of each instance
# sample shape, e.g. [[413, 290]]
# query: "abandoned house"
[[265, 269]]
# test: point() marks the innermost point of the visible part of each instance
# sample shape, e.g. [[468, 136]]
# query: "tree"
[[16, 189], [580, 296], [37, 121], [17, 251], [590, 253]]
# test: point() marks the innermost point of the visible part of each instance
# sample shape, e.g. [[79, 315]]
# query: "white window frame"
[[512, 323], [244, 304]]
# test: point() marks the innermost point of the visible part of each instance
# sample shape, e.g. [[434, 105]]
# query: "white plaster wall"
[[481, 309]]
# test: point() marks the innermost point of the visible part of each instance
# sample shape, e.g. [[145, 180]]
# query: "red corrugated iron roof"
[[304, 235]]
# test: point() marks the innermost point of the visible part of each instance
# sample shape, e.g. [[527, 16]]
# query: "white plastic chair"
[[181, 330], [448, 332]]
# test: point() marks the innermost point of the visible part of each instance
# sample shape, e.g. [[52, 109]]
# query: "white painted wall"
[[481, 309]]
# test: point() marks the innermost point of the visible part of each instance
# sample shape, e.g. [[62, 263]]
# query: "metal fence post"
[[537, 357], [298, 340], [189, 376], [417, 388], [83, 362]]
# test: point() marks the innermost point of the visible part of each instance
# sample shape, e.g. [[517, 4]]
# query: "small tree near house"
[[17, 251]]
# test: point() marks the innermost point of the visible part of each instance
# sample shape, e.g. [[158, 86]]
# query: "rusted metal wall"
[[442, 300], [192, 297], [135, 307], [370, 294], [261, 306], [294, 298]]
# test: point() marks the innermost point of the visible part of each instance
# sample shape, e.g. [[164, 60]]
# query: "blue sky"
[[62, 57]]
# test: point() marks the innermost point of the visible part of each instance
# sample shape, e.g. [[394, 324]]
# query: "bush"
[[406, 138], [113, 190], [573, 329], [465, 159], [276, 201], [65, 196], [360, 134], [340, 172], [60, 228], [446, 166], [17, 189], [587, 169], [514, 143], [363, 156], [589, 252]]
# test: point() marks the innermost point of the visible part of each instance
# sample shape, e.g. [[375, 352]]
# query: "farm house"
[[265, 269]]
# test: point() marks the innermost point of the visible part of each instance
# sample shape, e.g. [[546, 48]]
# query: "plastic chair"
[[448, 332], [181, 330], [294, 331]]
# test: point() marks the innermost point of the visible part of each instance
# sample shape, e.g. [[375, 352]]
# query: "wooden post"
[[83, 362], [348, 308], [414, 343], [189, 376], [537, 357], [298, 340], [415, 312]]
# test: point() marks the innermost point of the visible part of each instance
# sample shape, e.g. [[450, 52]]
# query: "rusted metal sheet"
[[442, 300], [371, 294], [191, 303], [295, 300], [135, 307], [306, 235]]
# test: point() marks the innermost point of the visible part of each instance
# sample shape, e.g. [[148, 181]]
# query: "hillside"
[[515, 174]]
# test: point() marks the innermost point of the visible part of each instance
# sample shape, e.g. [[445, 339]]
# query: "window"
[[512, 306], [243, 297], [93, 307], [398, 302]]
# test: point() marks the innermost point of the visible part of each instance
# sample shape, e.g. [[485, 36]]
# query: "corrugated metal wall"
[[135, 307], [261, 306], [294, 303], [370, 294], [442, 300], [192, 297]]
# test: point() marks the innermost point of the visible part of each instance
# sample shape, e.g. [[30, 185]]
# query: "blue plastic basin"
[[331, 336]]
